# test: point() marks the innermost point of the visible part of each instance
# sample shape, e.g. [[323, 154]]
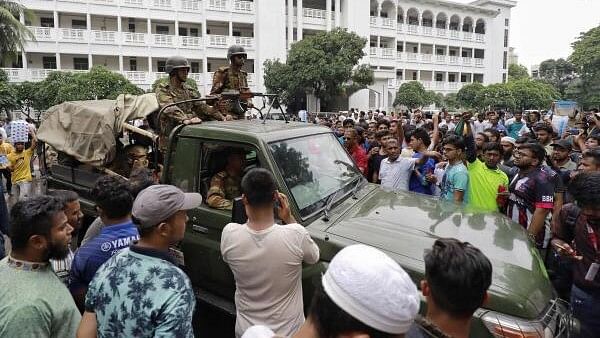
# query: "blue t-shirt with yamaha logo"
[[111, 240]]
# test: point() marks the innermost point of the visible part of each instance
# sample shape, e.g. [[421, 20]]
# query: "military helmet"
[[236, 50], [176, 62]]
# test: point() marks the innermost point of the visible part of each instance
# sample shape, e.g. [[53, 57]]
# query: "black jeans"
[[7, 176]]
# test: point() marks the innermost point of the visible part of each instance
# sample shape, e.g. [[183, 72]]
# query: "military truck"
[[338, 207]]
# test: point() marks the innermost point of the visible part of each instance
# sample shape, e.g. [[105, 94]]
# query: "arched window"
[[427, 19], [413, 16], [441, 21], [467, 24], [454, 22], [480, 26]]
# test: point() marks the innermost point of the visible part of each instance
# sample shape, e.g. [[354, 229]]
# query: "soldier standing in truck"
[[231, 78], [177, 90]]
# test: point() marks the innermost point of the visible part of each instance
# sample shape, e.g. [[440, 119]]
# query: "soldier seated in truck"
[[225, 185]]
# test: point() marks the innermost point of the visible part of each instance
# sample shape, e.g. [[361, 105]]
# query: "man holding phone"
[[580, 241]]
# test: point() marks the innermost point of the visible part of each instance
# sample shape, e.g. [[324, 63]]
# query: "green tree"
[[47, 94], [98, 83], [8, 100], [517, 72], [13, 34], [28, 97], [451, 101], [190, 82], [496, 96], [558, 73], [322, 64], [468, 93], [586, 59], [412, 94], [3, 76], [530, 94]]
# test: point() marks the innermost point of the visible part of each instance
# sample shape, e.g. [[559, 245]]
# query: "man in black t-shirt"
[[376, 155]]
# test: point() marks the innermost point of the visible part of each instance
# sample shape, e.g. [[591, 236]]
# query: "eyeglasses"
[[447, 150]]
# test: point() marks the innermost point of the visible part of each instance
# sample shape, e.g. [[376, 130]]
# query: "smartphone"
[[574, 131]]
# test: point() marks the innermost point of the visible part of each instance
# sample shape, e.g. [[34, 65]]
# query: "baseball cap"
[[372, 288], [565, 144], [159, 202]]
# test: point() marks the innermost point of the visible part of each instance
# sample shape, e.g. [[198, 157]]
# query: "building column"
[[404, 47], [300, 27], [24, 59], [290, 23], [328, 13], [88, 21], [57, 57], [119, 24], [56, 22], [121, 63], [149, 64], [337, 13], [149, 26], [418, 75], [90, 61]]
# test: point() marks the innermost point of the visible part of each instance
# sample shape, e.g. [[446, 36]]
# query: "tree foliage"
[[98, 83], [517, 72], [559, 73], [529, 94], [13, 33], [451, 101], [495, 96], [190, 82], [8, 100], [412, 94], [586, 59], [467, 95], [322, 64]]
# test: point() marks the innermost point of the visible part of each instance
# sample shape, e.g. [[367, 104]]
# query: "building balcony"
[[191, 5], [224, 41], [427, 30], [316, 16], [162, 4], [140, 78], [73, 35], [190, 41], [134, 39], [235, 6], [107, 37], [163, 40], [428, 84]]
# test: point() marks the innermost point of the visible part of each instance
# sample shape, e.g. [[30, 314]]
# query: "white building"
[[513, 57], [440, 43]]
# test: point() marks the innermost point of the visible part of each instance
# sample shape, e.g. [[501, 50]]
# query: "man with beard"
[[72, 210], [532, 192], [560, 155], [35, 303]]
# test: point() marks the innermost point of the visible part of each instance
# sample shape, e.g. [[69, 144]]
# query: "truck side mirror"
[[238, 211]]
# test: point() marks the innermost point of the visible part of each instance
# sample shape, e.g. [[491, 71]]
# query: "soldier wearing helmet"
[[177, 90], [231, 77]]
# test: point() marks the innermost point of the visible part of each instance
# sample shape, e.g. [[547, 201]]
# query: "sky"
[[545, 29]]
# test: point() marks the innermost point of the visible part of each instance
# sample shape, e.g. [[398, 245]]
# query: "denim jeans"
[[586, 308]]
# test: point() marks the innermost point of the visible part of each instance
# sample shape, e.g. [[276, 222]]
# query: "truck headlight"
[[501, 325]]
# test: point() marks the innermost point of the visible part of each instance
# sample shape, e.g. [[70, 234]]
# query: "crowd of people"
[[521, 166], [124, 278]]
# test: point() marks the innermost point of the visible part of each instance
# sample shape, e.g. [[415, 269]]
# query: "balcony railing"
[[440, 58], [104, 36], [217, 41], [373, 51], [135, 3], [400, 27], [316, 16], [454, 34], [478, 62], [389, 23], [467, 36], [373, 21], [190, 41], [440, 32], [427, 30], [243, 6], [141, 78], [453, 59], [391, 83], [426, 84], [388, 53], [479, 37], [400, 56], [439, 84], [411, 56], [243, 41], [71, 34], [191, 5], [134, 38], [426, 57], [466, 60], [218, 5], [163, 40], [42, 33]]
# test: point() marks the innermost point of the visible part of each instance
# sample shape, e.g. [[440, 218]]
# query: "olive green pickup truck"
[[339, 207]]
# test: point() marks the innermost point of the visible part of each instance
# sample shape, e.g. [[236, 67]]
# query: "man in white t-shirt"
[[266, 258], [395, 171]]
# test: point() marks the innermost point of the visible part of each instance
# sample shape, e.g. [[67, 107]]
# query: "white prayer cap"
[[373, 288], [509, 140]]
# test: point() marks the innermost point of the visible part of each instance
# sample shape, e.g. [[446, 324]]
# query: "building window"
[[162, 30], [131, 27], [160, 66], [193, 31], [439, 77], [49, 62], [439, 51], [463, 77], [133, 65], [504, 78], [47, 22], [183, 31], [452, 52], [195, 67], [414, 77], [506, 38], [78, 24], [80, 63], [415, 49], [236, 33], [504, 60], [506, 22], [451, 77]]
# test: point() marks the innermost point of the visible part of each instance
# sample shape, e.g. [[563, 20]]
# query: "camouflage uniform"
[[223, 189], [226, 79], [175, 115]]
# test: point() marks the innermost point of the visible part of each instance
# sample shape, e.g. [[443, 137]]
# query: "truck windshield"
[[314, 167]]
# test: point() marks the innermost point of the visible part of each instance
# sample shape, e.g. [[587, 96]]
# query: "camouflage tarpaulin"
[[87, 130]]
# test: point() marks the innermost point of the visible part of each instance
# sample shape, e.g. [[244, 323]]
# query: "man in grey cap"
[[141, 292], [561, 155], [364, 294]]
